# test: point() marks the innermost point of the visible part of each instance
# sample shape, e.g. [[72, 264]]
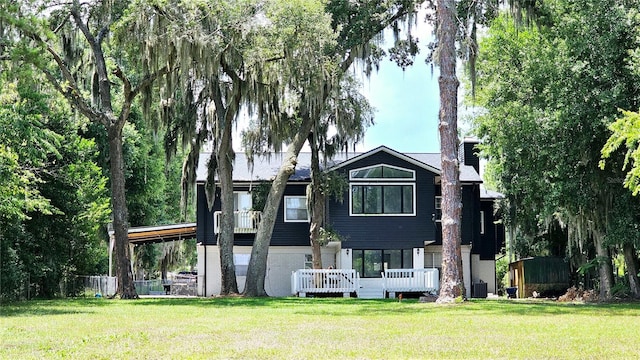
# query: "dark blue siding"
[[204, 218], [386, 232], [290, 233], [470, 214], [492, 241], [284, 234]]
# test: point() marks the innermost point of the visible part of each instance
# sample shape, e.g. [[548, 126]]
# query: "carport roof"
[[161, 233]]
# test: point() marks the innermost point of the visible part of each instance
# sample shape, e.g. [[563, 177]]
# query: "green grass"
[[316, 329]]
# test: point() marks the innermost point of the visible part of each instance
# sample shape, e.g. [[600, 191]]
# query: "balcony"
[[245, 222]]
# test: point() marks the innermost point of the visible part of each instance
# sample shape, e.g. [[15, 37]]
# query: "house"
[[389, 219]]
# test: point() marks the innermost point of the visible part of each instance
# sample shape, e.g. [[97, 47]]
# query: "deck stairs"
[[370, 289]]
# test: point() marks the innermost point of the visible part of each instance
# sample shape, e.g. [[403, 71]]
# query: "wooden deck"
[[347, 281]]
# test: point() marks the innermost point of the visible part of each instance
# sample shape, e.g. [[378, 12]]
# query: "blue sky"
[[407, 104]]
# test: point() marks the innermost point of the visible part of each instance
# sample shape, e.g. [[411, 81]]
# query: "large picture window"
[[382, 190], [391, 199], [371, 263], [295, 209]]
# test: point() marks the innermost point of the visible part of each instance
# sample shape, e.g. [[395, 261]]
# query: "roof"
[[486, 194], [266, 167], [160, 233]]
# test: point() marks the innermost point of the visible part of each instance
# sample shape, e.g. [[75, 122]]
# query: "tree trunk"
[[126, 288], [605, 270], [257, 269], [316, 199], [631, 260], [225, 238], [452, 285]]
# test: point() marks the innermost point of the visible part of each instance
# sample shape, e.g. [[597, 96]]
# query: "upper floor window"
[[295, 209], [242, 201], [388, 199], [382, 172], [371, 196]]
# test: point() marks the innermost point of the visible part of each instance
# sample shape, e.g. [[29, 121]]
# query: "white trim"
[[482, 222], [437, 206], [412, 184], [285, 209], [412, 178], [388, 151]]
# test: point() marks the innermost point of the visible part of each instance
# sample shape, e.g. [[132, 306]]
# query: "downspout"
[[204, 277]]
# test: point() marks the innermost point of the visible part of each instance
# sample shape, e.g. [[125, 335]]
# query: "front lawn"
[[297, 328]]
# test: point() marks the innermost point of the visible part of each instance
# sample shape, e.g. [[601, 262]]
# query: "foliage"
[[626, 130], [549, 94], [49, 229], [502, 274]]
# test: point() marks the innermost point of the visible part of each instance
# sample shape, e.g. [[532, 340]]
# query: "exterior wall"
[[387, 232], [281, 262], [470, 214], [204, 218], [492, 241], [466, 268], [484, 270], [284, 233], [418, 258]]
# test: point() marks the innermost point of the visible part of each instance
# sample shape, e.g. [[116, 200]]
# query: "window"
[[382, 198], [481, 222], [385, 199], [432, 259], [308, 261], [295, 209], [383, 172], [371, 263], [242, 201], [438, 206]]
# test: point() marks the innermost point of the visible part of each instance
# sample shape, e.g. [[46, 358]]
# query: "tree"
[[82, 30], [228, 65], [452, 285], [357, 24], [350, 114], [54, 196], [548, 96]]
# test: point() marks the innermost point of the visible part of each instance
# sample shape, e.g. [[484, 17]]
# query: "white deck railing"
[[245, 222], [343, 281], [410, 280]]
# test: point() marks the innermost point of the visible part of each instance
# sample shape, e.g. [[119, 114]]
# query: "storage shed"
[[548, 276]]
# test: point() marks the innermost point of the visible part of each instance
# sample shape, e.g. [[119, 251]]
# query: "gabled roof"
[[392, 152], [265, 168]]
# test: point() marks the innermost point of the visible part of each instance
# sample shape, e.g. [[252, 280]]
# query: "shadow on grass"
[[51, 307], [333, 306], [548, 307]]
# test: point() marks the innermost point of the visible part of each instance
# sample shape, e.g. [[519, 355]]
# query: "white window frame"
[[238, 193], [412, 178], [482, 222], [285, 208], [412, 184], [308, 261], [438, 206]]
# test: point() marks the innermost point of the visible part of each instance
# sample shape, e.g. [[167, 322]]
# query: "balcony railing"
[[245, 222], [410, 280], [345, 281]]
